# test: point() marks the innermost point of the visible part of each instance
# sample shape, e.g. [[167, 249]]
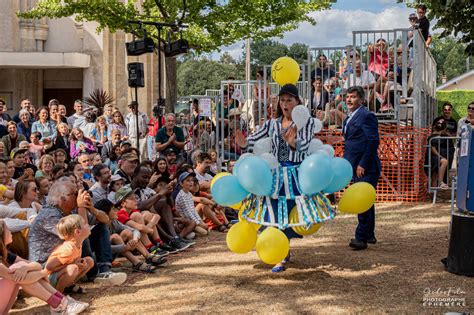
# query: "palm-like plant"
[[99, 98]]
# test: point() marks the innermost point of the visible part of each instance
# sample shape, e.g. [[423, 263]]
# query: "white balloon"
[[300, 116], [318, 125], [262, 146], [244, 156], [328, 149], [314, 146], [271, 160]]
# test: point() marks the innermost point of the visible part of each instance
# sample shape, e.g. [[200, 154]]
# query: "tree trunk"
[[171, 84]]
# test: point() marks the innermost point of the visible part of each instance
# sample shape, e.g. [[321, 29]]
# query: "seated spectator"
[[148, 199], [452, 124], [12, 139], [211, 214], [65, 265], [45, 126], [62, 140], [89, 123], [16, 272], [126, 240], [185, 204], [80, 144], [107, 148], [116, 182], [36, 147], [112, 160], [43, 184], [201, 169], [45, 167], [170, 155], [10, 182], [160, 169], [127, 165], [58, 172], [24, 124], [362, 78], [378, 63], [320, 97], [442, 153], [117, 123], [99, 133], [170, 136], [213, 166], [95, 159], [60, 158], [86, 163], [22, 169], [2, 149], [43, 237], [102, 176]]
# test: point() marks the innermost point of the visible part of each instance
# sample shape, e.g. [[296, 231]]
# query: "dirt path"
[[325, 276]]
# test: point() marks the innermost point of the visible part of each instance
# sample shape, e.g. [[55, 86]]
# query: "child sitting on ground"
[[65, 265], [143, 221], [116, 182], [185, 204], [16, 272], [212, 214], [126, 239]]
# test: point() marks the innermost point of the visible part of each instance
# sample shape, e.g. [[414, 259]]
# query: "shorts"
[[53, 279]]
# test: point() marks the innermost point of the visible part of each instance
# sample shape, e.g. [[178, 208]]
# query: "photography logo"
[[444, 297]]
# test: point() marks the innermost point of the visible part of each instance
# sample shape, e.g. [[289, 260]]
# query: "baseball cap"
[[290, 89], [129, 157], [185, 175], [412, 16], [169, 150], [125, 143], [122, 194], [115, 178], [16, 151]]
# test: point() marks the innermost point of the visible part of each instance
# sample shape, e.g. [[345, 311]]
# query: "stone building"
[[66, 60]]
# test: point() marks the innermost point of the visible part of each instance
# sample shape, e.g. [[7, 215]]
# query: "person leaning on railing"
[[442, 154]]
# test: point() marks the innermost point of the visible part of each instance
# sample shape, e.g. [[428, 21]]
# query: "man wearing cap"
[[170, 136], [171, 155], [131, 123], [148, 199], [102, 176], [127, 165], [22, 169]]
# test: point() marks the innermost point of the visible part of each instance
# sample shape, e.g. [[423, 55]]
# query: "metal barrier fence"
[[440, 163]]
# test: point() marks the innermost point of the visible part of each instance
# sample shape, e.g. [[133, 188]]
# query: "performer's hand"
[[290, 136], [360, 171]]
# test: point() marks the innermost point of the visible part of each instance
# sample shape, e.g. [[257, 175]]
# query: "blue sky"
[[334, 27]]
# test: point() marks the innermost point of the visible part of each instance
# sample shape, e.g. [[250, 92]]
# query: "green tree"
[[449, 54], [264, 52], [299, 52], [212, 23], [453, 17]]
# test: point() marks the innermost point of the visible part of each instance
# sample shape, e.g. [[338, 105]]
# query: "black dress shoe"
[[372, 240], [357, 244]]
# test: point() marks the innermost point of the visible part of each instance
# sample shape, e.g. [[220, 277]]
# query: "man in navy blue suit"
[[361, 137]]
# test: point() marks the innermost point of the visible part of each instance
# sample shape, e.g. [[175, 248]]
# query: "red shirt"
[[124, 216]]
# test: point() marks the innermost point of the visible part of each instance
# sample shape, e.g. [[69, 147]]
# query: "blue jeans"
[[98, 247]]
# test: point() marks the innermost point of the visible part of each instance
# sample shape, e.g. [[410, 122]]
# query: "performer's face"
[[287, 103]]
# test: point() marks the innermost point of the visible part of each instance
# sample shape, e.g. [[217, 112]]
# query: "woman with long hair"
[[45, 126], [118, 123], [62, 140], [99, 133], [80, 144]]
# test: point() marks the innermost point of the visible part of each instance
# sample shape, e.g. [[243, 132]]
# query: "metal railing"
[[440, 163]]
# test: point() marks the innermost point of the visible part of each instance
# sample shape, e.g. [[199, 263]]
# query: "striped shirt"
[[185, 206], [280, 148]]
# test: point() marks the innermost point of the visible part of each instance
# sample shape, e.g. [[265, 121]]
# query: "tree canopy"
[[212, 23], [453, 17]]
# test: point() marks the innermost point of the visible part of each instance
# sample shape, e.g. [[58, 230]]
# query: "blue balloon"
[[227, 191], [342, 175], [315, 173], [255, 176], [237, 164]]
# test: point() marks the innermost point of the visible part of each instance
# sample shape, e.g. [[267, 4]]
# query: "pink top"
[[378, 62]]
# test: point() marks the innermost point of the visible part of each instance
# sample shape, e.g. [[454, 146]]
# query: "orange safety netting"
[[401, 152]]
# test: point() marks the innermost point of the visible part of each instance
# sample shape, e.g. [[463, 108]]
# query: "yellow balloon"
[[241, 238], [358, 198], [237, 206], [285, 70], [272, 246], [219, 175], [301, 230], [251, 214]]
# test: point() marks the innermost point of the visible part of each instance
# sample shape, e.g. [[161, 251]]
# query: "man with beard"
[[201, 168], [100, 189]]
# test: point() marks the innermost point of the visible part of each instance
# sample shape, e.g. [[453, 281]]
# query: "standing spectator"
[[24, 123], [468, 120], [320, 97], [80, 144], [54, 114], [78, 113], [26, 105], [423, 24], [360, 130], [13, 139], [99, 133], [118, 123], [89, 122], [260, 97], [153, 127], [170, 136], [378, 63], [323, 70], [131, 123], [62, 112], [451, 123], [4, 117], [441, 156], [45, 127], [108, 110]]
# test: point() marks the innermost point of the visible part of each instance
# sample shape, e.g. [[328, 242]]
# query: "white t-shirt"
[[203, 178], [365, 79]]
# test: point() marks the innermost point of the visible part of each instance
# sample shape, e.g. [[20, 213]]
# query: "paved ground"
[[325, 276]]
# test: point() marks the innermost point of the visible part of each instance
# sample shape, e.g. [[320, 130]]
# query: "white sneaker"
[[69, 306], [111, 278], [190, 236]]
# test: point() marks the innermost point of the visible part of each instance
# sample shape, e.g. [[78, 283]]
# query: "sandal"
[[222, 228], [143, 267], [156, 260], [443, 186], [74, 289]]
